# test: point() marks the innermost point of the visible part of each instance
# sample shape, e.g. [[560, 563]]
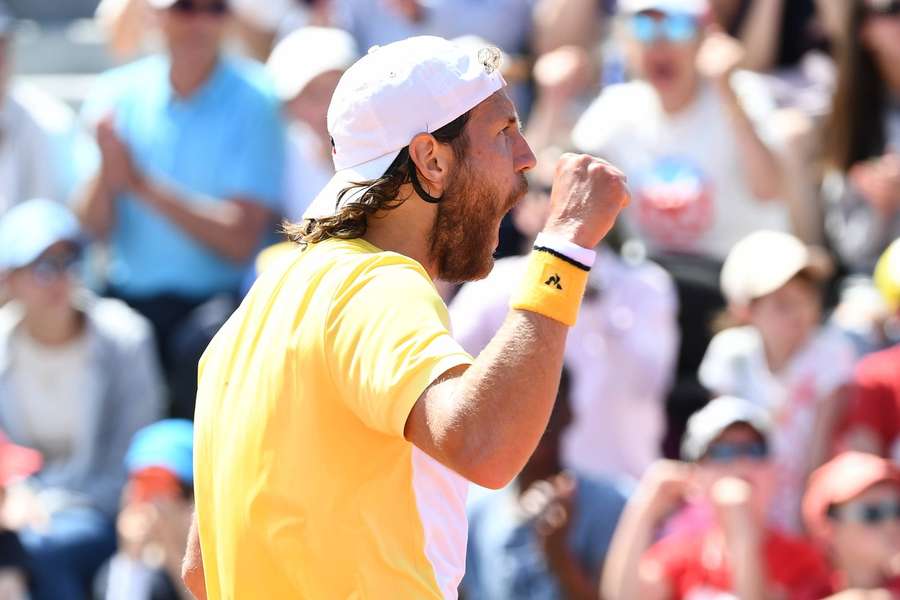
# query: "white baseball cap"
[[307, 53], [394, 93], [764, 261], [162, 4], [689, 7], [708, 423]]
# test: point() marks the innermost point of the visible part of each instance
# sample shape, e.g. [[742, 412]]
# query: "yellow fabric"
[[302, 474], [551, 287], [887, 275]]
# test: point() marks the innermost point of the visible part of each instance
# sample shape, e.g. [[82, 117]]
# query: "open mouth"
[[662, 73]]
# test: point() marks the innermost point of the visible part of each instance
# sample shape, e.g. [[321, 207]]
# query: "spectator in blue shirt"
[[545, 536], [188, 182]]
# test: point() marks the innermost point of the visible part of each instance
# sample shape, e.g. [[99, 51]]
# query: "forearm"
[[761, 166], [634, 534], [95, 207], [486, 423], [760, 34], [218, 225]]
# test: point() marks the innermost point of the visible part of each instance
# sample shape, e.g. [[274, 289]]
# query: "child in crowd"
[[780, 357], [78, 376], [852, 505], [155, 517], [728, 551]]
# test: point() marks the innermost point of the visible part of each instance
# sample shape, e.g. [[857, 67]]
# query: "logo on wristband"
[[554, 280]]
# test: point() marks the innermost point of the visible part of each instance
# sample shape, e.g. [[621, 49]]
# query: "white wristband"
[[570, 250]]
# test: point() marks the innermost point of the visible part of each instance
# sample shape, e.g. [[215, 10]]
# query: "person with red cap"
[[852, 506]]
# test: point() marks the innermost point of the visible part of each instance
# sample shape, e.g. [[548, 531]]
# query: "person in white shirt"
[[305, 68], [780, 357], [621, 352], [689, 132]]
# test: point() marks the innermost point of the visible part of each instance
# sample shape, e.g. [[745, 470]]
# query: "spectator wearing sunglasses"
[[694, 136], [78, 376], [852, 505], [779, 356], [188, 185], [726, 550]]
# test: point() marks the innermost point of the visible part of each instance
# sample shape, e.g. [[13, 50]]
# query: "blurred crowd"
[[728, 422]]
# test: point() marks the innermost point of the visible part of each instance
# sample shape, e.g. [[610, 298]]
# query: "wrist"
[[570, 232], [565, 249]]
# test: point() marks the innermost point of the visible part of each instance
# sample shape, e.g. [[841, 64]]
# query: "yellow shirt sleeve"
[[387, 339]]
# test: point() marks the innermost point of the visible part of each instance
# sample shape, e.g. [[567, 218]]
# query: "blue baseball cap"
[[29, 228], [168, 444]]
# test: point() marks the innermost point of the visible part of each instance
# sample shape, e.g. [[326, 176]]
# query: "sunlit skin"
[[867, 554], [49, 314], [476, 193], [786, 319], [310, 106], [669, 67], [760, 474], [194, 41]]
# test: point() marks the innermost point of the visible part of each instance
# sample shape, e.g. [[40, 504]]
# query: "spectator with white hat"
[[78, 376], [730, 553], [780, 356], [305, 68]]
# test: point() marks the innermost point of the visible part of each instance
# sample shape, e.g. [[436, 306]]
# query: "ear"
[[433, 162], [740, 312]]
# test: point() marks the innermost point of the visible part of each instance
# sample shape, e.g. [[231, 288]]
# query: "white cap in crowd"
[[708, 423], [764, 261], [307, 53], [688, 7], [394, 93]]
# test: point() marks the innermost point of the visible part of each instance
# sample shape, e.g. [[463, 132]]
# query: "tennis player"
[[337, 421]]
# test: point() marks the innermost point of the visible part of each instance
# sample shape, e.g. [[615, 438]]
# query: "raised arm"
[[485, 421]]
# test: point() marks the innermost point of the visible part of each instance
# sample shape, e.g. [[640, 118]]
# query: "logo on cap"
[[490, 58]]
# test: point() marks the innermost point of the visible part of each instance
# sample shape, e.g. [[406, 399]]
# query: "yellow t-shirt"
[[305, 486]]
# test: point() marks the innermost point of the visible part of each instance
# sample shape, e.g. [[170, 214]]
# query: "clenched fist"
[[587, 196]]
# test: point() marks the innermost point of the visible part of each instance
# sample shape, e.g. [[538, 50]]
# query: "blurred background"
[[732, 387]]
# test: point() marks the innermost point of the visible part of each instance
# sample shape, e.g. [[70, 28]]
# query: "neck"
[[778, 356], [679, 97], [188, 74], [405, 230], [54, 328]]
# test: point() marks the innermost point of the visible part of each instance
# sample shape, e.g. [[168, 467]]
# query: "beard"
[[468, 218]]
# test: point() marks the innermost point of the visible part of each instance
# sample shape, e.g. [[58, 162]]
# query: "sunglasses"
[[676, 28], [874, 513], [190, 7], [883, 8], [48, 269], [723, 452]]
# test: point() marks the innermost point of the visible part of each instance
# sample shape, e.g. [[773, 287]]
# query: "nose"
[[524, 157]]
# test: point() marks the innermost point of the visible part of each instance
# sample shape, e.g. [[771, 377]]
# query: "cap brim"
[[326, 203]]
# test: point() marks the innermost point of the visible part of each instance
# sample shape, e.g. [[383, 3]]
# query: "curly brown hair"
[[370, 197]]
